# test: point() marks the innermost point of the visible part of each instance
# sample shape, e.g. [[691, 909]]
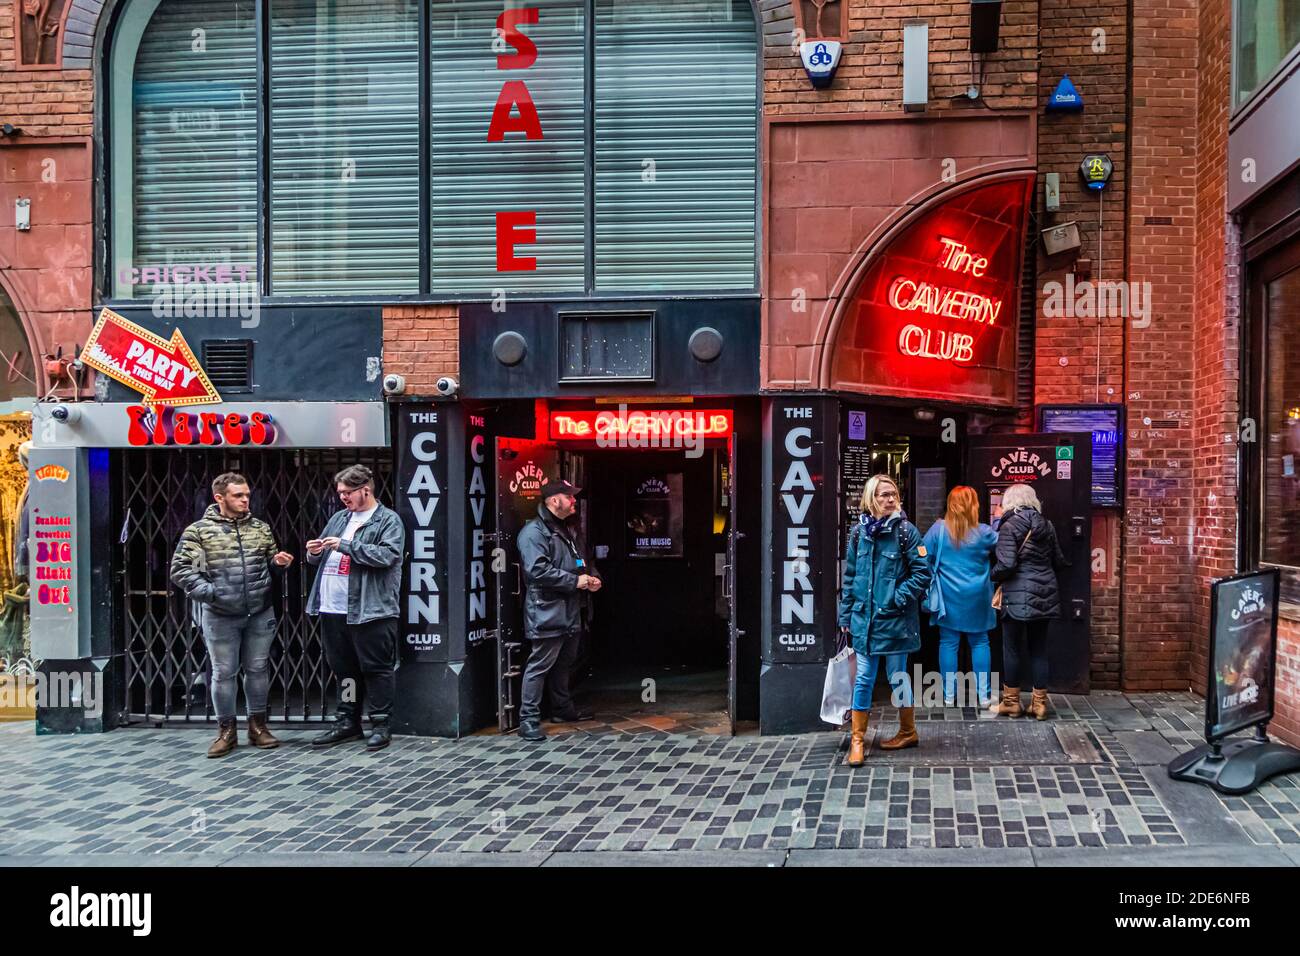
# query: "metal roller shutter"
[[345, 190]]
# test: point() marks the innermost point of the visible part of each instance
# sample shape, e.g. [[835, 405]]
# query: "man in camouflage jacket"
[[224, 563]]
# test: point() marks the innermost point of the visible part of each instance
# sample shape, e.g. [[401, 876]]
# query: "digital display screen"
[[1106, 426]]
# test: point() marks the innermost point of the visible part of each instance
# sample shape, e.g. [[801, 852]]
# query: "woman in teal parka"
[[885, 576]]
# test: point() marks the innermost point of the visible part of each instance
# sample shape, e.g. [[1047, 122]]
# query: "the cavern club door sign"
[[934, 315], [164, 372]]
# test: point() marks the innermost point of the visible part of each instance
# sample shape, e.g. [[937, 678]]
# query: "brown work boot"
[[258, 735], [858, 738], [1010, 706], [1038, 704], [906, 736], [227, 738]]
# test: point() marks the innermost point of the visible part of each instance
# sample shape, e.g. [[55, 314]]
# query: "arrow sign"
[[164, 372]]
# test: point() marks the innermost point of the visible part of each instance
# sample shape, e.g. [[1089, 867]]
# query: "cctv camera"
[[66, 414], [447, 385], [394, 384]]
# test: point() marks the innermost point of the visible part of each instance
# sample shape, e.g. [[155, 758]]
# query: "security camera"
[[447, 386], [394, 384], [66, 414]]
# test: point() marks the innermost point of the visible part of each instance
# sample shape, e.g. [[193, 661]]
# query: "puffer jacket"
[[549, 557], [225, 563], [1030, 590], [885, 576]]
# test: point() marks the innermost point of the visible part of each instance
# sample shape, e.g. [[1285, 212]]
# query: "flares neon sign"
[[910, 295]]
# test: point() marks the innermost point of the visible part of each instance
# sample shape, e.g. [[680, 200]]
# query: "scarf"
[[872, 527]]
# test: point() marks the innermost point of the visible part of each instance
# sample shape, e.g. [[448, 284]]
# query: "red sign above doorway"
[[653, 425], [934, 315]]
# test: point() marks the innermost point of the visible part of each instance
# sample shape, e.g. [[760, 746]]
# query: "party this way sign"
[[163, 372]]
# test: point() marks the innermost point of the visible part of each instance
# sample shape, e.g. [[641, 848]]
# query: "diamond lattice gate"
[[157, 493]]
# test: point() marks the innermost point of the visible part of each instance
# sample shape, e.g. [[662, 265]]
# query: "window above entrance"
[[553, 146]]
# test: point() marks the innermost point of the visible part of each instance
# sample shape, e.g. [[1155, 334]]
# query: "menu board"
[[1243, 644], [1105, 424], [855, 469], [931, 497]]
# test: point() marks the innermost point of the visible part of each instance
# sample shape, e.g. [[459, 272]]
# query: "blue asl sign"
[[819, 56], [1065, 97]]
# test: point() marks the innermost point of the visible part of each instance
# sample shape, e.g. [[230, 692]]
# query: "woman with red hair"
[[960, 550]]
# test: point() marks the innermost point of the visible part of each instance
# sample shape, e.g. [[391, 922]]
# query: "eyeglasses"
[[886, 494], [349, 494]]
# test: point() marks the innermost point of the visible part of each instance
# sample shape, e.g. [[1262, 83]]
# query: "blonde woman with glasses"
[[885, 576]]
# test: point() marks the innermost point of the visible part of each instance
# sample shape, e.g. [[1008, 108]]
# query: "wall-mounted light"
[[916, 64], [985, 19]]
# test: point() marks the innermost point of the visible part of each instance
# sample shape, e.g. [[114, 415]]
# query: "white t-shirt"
[[334, 575]]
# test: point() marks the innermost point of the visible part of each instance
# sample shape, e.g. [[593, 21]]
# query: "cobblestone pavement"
[[1093, 777]]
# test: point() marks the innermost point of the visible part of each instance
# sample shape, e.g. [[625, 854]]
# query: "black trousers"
[[1021, 640], [550, 665], [364, 659]]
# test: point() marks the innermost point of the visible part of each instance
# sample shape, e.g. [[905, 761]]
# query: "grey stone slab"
[[85, 860], [1147, 748], [768, 858], [1197, 811], [1166, 856], [1293, 852], [324, 859], [504, 858], [946, 856]]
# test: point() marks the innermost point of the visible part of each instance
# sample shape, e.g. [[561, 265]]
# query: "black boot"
[[381, 735], [346, 727], [531, 730], [575, 716]]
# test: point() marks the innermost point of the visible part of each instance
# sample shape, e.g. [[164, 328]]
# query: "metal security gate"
[[157, 492]]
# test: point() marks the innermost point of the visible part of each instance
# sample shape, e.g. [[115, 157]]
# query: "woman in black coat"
[[1028, 557]]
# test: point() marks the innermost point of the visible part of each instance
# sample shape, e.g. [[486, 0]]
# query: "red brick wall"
[[1081, 359], [421, 343], [1286, 686], [41, 102], [870, 75], [1217, 317]]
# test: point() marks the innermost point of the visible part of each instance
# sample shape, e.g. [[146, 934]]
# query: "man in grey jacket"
[[558, 579], [355, 593]]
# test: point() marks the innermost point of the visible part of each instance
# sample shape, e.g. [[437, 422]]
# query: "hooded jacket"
[[885, 576], [225, 563], [1027, 572]]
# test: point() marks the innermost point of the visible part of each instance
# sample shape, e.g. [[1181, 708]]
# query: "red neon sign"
[[163, 425], [651, 426], [934, 313]]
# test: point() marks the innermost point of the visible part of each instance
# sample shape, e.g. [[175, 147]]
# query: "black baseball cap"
[[558, 486]]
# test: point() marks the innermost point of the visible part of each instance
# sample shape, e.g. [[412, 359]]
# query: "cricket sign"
[[164, 371]]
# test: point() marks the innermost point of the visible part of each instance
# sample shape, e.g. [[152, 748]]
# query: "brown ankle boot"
[[1038, 704], [858, 739], [906, 736], [258, 735], [227, 738], [1010, 706]]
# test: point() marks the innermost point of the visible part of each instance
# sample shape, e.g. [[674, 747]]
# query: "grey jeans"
[[232, 640], [550, 665]]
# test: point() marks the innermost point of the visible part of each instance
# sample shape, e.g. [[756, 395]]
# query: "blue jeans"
[[979, 658], [234, 640], [865, 679]]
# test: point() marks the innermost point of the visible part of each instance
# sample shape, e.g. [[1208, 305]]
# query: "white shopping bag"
[[837, 693]]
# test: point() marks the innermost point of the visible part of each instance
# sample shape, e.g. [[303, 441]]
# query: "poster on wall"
[[1106, 423], [1243, 642], [654, 516], [855, 463]]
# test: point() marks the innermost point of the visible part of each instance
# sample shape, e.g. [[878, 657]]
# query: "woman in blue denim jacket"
[[885, 576]]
